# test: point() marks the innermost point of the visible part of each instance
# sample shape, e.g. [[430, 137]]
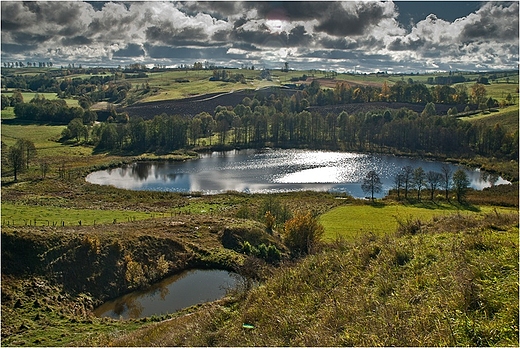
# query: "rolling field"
[[351, 222], [19, 215], [45, 139]]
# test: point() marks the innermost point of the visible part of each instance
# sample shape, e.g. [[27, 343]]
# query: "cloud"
[[130, 51], [323, 34], [492, 22]]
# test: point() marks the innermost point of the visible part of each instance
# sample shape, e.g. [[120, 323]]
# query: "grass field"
[[352, 222], [45, 139], [19, 215], [27, 96], [507, 118]]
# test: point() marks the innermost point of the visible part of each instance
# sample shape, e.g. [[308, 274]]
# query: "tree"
[[28, 149], [433, 179], [478, 93], [303, 233], [398, 181], [16, 159], [407, 172], [76, 129], [446, 180], [429, 110], [461, 184], [418, 180], [372, 184]]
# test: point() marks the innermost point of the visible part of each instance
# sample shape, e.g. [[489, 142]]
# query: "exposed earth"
[[208, 102]]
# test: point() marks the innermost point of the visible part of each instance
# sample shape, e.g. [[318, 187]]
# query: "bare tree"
[[433, 179], [446, 180], [407, 179], [398, 181], [418, 180], [372, 184]]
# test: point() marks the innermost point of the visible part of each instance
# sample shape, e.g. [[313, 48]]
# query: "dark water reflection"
[[264, 171], [170, 295]]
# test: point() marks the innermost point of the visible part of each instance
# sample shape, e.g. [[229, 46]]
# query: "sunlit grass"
[[45, 139], [15, 214], [352, 222]]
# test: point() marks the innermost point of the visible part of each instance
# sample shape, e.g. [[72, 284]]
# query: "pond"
[[170, 295], [270, 171]]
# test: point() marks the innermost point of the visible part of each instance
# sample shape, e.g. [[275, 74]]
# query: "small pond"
[[170, 295], [271, 171]]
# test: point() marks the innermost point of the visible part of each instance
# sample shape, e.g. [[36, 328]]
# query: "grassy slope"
[[356, 221], [453, 284]]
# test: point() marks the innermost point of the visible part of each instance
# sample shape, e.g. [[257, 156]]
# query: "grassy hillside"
[[454, 282], [355, 221]]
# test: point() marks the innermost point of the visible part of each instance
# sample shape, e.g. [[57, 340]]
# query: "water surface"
[[268, 170], [170, 295]]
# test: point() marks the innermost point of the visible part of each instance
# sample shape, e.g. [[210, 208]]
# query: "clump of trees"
[[417, 179], [19, 156]]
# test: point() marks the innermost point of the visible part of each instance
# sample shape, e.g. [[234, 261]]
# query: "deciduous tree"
[[460, 184], [372, 184]]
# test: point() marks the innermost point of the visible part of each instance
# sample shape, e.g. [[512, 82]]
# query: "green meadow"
[[22, 215], [353, 221]]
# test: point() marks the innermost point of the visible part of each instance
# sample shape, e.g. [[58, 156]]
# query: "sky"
[[348, 36]]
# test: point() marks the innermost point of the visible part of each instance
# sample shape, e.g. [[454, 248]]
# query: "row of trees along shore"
[[409, 178], [288, 120]]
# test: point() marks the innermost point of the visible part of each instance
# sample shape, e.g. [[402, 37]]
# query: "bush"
[[302, 234]]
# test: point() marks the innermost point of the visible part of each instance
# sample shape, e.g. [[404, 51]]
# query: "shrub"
[[303, 233]]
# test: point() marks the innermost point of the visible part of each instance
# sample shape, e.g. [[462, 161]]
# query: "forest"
[[295, 118]]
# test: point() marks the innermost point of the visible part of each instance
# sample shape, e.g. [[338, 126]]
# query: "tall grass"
[[454, 283]]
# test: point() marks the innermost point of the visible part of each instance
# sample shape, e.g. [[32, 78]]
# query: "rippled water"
[[264, 171]]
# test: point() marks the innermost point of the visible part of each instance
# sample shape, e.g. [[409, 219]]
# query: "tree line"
[[285, 120], [409, 178]]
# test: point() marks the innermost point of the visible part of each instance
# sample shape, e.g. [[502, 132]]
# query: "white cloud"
[[365, 33]]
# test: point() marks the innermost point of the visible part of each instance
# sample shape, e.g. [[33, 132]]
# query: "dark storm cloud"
[[60, 13], [16, 48], [76, 40], [30, 38], [132, 50], [334, 18], [338, 44], [218, 9], [167, 34], [260, 37], [342, 22], [495, 22], [400, 44], [11, 16], [298, 37], [184, 52]]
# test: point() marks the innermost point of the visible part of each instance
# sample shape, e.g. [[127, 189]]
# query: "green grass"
[[27, 96], [20, 215], [453, 284], [353, 221], [45, 139], [506, 117], [198, 83], [8, 113]]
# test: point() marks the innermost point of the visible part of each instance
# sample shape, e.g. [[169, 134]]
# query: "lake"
[[170, 295], [272, 170]]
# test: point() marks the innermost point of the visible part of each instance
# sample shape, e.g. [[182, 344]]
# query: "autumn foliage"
[[303, 233]]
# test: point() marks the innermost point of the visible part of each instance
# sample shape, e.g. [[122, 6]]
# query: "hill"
[[452, 282]]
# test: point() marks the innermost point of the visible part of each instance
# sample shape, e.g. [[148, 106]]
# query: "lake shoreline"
[[271, 170]]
